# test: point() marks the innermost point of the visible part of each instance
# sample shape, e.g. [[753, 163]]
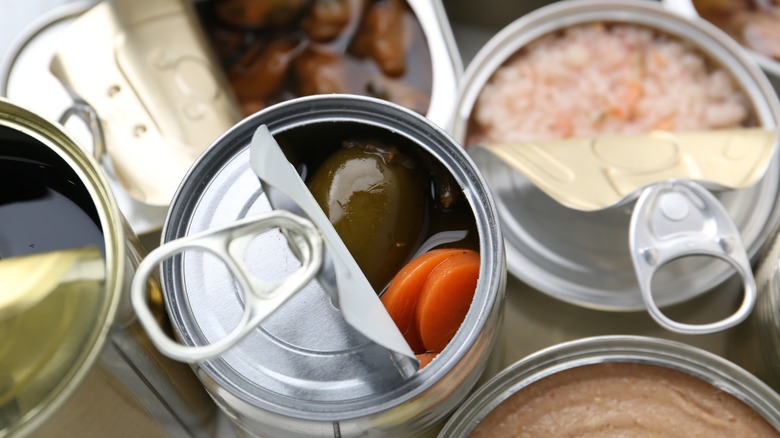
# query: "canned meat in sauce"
[[621, 383], [304, 371], [402, 51], [583, 257], [74, 361], [754, 24]]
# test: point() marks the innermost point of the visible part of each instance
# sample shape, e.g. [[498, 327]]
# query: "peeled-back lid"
[[584, 257], [56, 241]]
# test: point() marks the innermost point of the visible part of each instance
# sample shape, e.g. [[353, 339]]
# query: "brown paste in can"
[[622, 399]]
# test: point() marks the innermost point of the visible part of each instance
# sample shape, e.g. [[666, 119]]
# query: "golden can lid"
[[61, 267], [159, 95]]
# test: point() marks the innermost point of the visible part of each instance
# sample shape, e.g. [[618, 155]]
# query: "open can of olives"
[[305, 370], [619, 384], [74, 361], [584, 69]]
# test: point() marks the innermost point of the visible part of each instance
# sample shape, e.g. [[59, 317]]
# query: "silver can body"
[[305, 371]]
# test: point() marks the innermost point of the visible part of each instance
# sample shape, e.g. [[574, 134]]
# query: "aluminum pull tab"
[[678, 218], [229, 243]]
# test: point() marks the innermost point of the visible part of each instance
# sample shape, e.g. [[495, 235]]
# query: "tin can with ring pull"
[[586, 257], [313, 367]]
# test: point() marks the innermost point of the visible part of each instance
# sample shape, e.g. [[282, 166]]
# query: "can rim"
[[679, 356], [529, 265], [56, 139]]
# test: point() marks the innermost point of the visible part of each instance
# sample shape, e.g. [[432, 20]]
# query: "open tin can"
[[585, 257], [146, 77], [304, 371], [749, 399], [73, 358]]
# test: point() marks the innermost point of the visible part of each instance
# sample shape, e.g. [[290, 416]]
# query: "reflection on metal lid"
[[28, 280], [595, 173], [149, 76]]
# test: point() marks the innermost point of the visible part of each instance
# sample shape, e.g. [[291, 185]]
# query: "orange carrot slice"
[[401, 296], [425, 358], [445, 299]]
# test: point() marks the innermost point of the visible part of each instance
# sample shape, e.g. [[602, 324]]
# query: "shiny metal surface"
[[31, 47], [756, 344], [679, 218], [354, 296], [108, 337], [305, 371], [682, 357], [583, 258], [26, 80], [531, 320]]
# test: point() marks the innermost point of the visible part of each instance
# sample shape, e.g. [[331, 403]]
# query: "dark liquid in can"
[[44, 206]]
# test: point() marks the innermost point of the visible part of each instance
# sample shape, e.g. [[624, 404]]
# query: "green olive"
[[375, 198]]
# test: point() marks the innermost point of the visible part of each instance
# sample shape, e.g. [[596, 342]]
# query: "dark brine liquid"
[[44, 206], [46, 212]]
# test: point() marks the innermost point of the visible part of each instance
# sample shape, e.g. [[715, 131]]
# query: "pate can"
[[303, 371], [584, 257], [712, 369], [74, 360]]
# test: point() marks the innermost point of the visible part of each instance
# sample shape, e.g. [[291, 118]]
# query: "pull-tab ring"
[[88, 115], [261, 298], [680, 218]]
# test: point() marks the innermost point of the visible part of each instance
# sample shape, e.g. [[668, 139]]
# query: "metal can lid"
[[584, 257], [25, 79], [305, 361], [61, 249]]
